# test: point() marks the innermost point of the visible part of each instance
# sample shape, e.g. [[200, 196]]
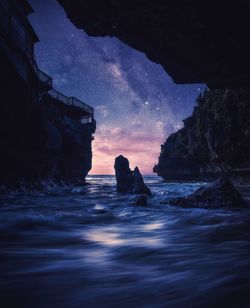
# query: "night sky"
[[136, 103]]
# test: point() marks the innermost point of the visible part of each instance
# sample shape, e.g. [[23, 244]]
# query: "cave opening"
[[137, 105], [131, 239]]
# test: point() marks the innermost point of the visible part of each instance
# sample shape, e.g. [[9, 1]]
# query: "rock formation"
[[127, 180], [220, 194], [39, 141], [44, 135], [124, 176], [214, 141], [139, 186], [75, 152], [195, 41]]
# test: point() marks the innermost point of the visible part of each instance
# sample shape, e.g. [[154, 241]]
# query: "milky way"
[[136, 103]]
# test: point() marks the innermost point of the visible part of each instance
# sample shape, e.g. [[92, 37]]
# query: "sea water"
[[90, 247]]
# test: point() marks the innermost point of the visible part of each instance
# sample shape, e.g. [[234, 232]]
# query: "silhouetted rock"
[[124, 177], [75, 152], [127, 180], [214, 141], [220, 194], [194, 41], [183, 37], [139, 186], [42, 136], [39, 141], [140, 200]]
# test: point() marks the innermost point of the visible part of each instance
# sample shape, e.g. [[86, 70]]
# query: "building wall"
[[16, 37]]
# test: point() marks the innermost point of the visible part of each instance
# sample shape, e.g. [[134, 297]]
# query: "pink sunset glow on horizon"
[[139, 147]]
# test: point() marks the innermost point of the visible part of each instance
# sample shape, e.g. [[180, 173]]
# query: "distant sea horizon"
[[114, 175]]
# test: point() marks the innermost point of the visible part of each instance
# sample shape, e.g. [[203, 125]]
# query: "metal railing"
[[59, 96], [45, 81], [76, 102], [73, 101], [43, 77]]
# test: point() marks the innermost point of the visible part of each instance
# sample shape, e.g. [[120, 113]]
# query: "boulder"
[[124, 177], [140, 200], [139, 186], [127, 180], [220, 194]]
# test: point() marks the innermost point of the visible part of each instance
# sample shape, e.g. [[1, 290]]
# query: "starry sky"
[[137, 105]]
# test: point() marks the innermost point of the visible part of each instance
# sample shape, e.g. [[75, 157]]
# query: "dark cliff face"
[[38, 140], [71, 139], [195, 41], [214, 141]]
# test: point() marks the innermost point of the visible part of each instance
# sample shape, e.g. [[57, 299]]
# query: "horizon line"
[[152, 174]]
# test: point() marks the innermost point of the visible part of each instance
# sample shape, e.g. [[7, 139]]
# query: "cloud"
[[141, 148], [102, 109]]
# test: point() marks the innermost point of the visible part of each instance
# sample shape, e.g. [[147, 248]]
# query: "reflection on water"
[[153, 226], [112, 237], [108, 237], [82, 247]]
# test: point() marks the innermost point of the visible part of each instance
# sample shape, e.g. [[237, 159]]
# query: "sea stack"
[[139, 186], [124, 176], [129, 181]]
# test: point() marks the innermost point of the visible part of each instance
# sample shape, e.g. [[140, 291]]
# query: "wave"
[[73, 246]]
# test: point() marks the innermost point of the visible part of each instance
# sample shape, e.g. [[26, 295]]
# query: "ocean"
[[90, 247]]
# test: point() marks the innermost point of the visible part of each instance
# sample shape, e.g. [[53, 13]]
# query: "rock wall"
[[72, 140], [215, 139], [195, 41], [38, 140]]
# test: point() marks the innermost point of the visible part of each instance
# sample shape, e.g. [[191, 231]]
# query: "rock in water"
[[127, 180], [140, 200], [124, 176], [139, 186], [220, 194]]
